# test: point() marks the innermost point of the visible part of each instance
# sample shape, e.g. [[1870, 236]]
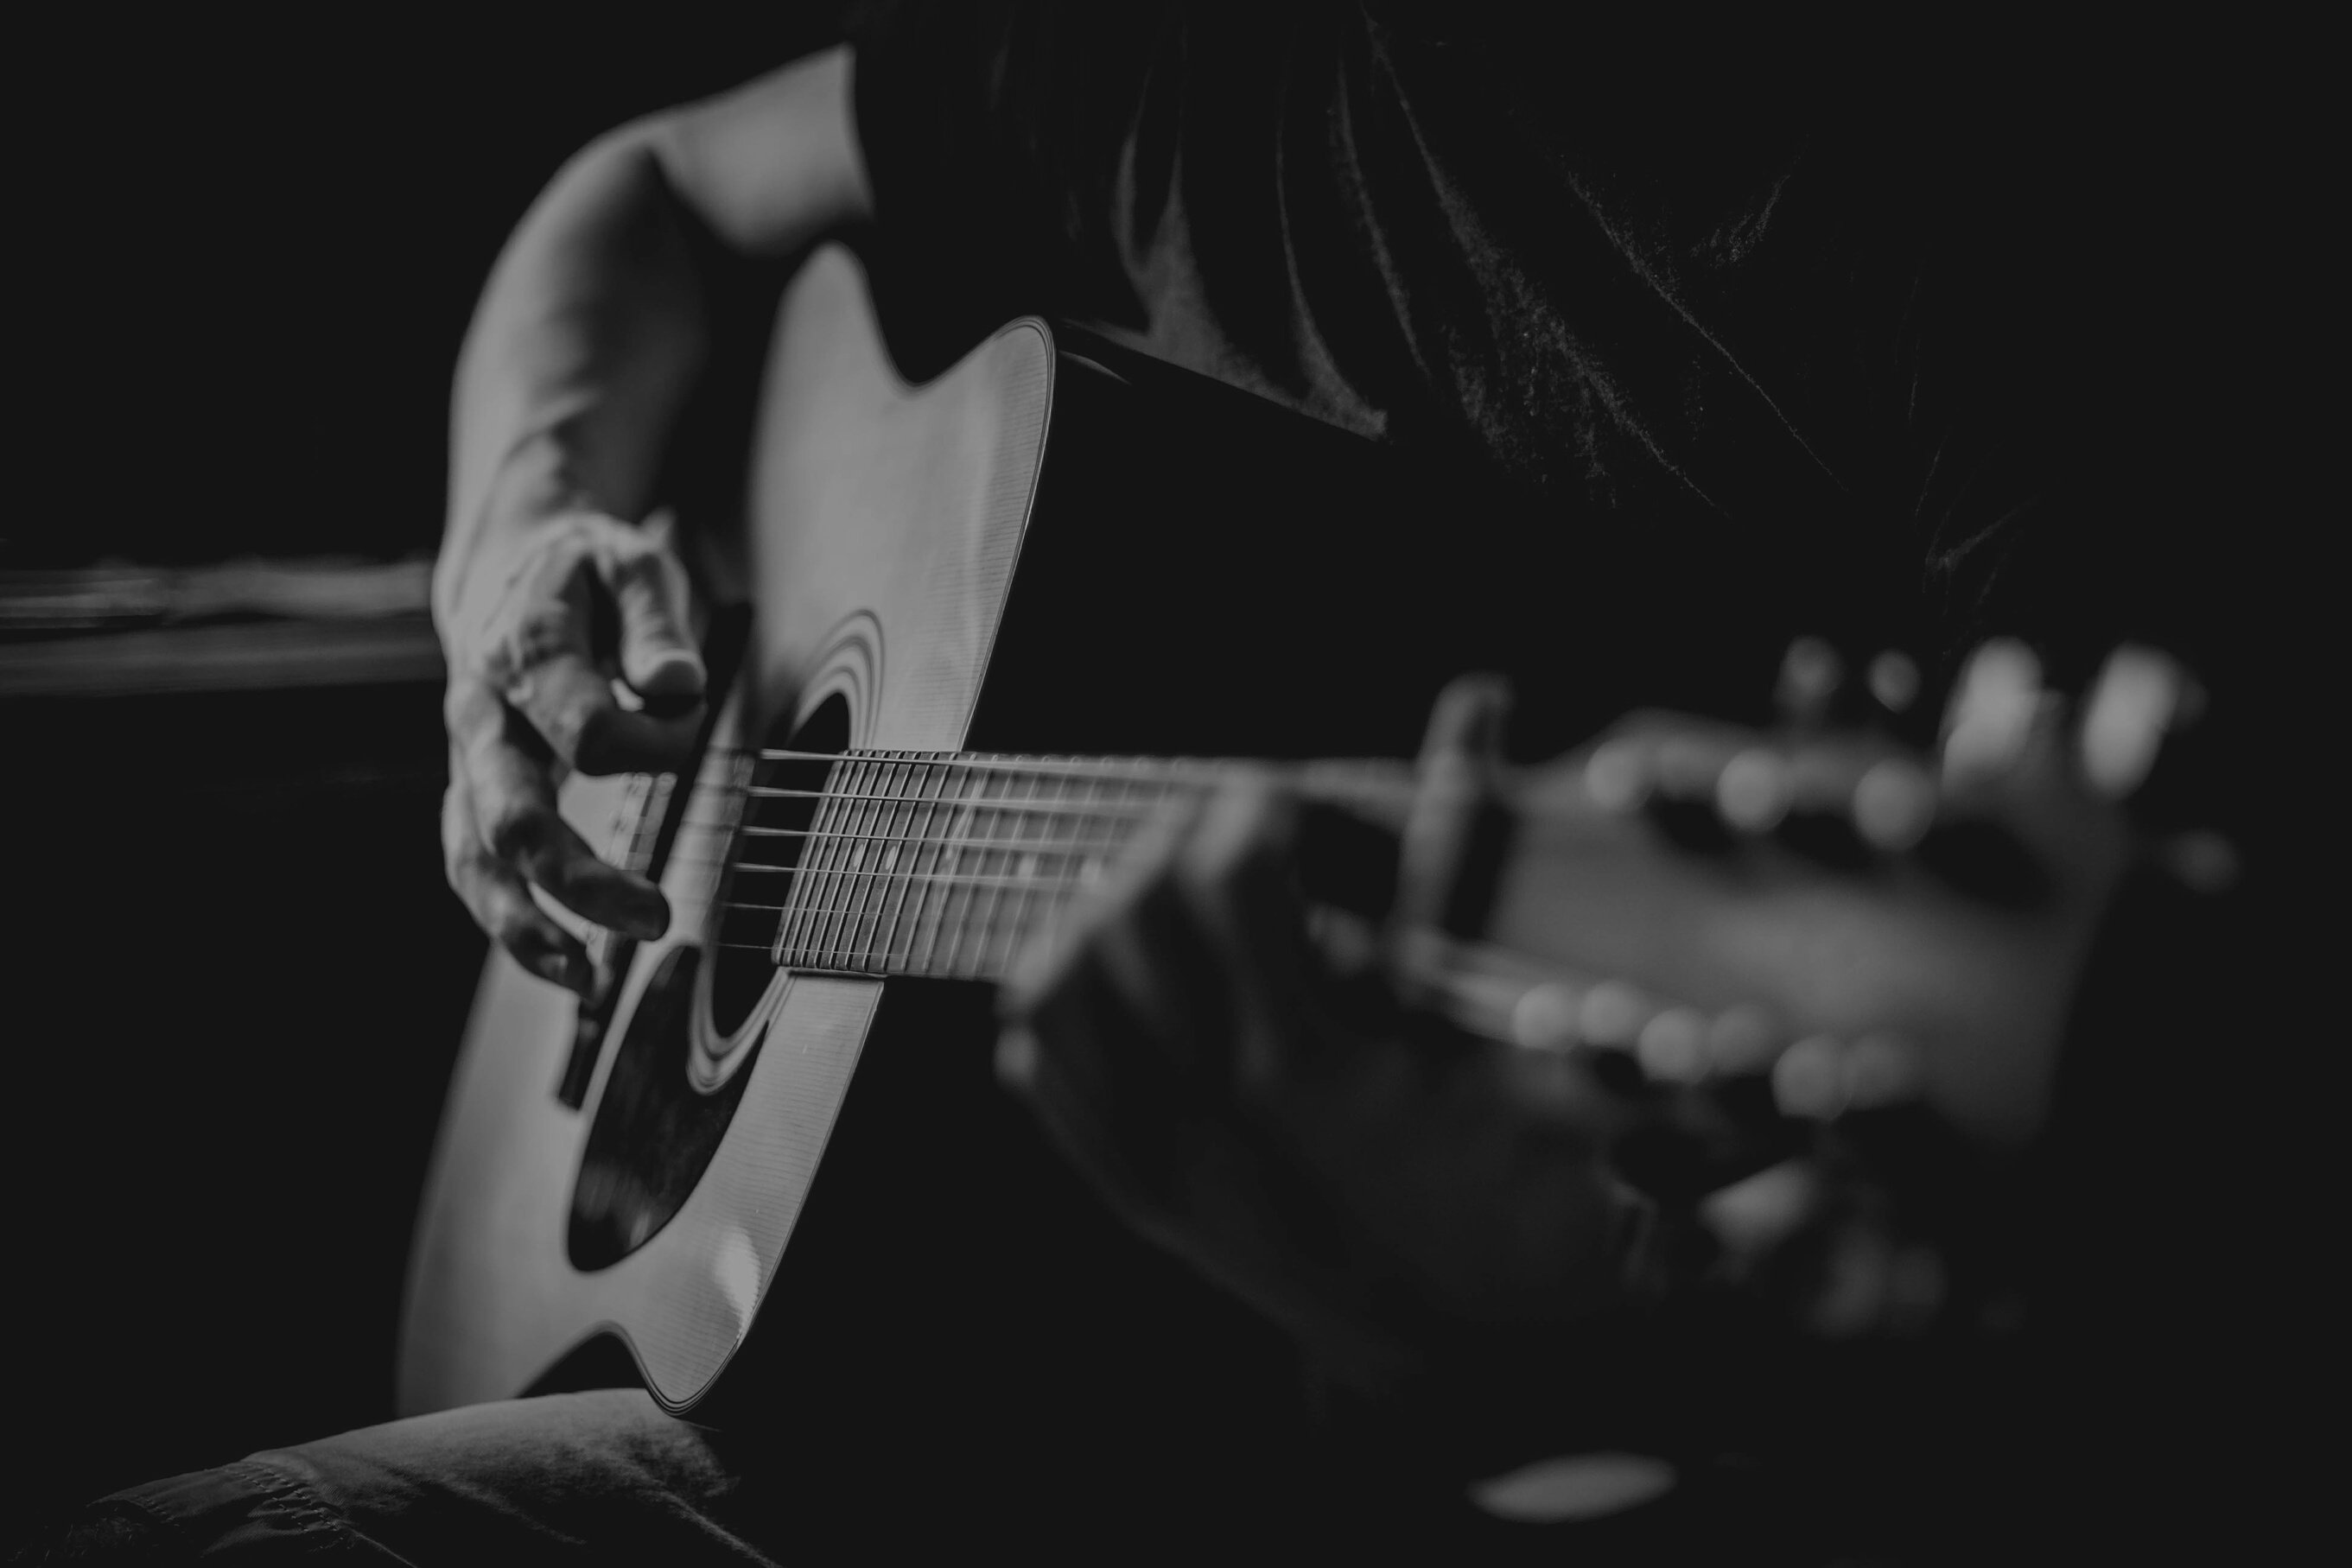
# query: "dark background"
[[246, 253]]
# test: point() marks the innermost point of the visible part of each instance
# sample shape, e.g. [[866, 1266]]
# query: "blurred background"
[[247, 251]]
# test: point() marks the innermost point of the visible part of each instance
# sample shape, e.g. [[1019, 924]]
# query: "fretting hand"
[[546, 620], [1281, 1120], [1333, 1152]]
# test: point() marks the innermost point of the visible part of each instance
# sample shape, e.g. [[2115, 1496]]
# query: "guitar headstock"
[[1855, 920]]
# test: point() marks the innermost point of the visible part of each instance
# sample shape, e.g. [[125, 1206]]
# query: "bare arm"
[[589, 335], [591, 328]]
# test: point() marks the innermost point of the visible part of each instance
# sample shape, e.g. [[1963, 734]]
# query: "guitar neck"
[[945, 864]]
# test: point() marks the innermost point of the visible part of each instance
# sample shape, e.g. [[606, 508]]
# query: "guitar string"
[[1073, 767], [978, 802], [881, 952], [839, 904]]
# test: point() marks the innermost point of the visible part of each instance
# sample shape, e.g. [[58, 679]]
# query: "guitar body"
[[1009, 559]]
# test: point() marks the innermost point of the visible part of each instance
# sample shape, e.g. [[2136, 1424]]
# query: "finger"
[[1233, 873], [569, 701], [512, 796], [501, 905], [1455, 836], [1143, 862], [648, 585], [1167, 975], [1077, 1055], [1753, 1219], [536, 655]]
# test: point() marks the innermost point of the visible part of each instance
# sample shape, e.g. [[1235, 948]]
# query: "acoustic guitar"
[[966, 644]]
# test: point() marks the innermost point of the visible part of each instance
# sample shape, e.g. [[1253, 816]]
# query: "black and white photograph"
[[1342, 782]]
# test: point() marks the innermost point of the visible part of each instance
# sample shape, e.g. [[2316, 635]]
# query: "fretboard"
[[941, 864]]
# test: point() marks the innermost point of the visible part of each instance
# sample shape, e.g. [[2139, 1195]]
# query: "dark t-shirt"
[[1774, 334], [1787, 340]]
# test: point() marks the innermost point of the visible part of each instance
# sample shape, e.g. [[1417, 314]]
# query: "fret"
[[794, 931], [732, 790], [921, 812], [795, 904], [1022, 871], [927, 858], [841, 887], [987, 821], [890, 870], [963, 863], [948, 861], [1094, 858], [864, 853], [1041, 881], [821, 865], [932, 863]]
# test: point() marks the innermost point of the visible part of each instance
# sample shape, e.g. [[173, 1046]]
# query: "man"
[[1770, 361]]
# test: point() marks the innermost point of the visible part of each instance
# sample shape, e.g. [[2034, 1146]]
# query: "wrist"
[[531, 496]]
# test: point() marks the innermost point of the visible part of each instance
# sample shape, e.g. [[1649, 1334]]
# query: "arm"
[[589, 335]]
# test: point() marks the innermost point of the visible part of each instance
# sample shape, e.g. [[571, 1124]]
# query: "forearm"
[[587, 337], [594, 325]]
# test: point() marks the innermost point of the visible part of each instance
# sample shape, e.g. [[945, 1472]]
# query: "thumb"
[[649, 589]]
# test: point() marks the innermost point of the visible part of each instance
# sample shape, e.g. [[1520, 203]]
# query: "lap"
[[609, 1476], [571, 1477]]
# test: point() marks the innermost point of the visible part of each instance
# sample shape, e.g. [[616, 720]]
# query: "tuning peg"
[[1893, 805], [1894, 682], [1993, 712], [1821, 1077], [1618, 775], [1743, 1040], [1754, 790], [2139, 698], [1811, 674], [1672, 1047]]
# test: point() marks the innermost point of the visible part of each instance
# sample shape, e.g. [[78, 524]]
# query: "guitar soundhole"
[[656, 1131]]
